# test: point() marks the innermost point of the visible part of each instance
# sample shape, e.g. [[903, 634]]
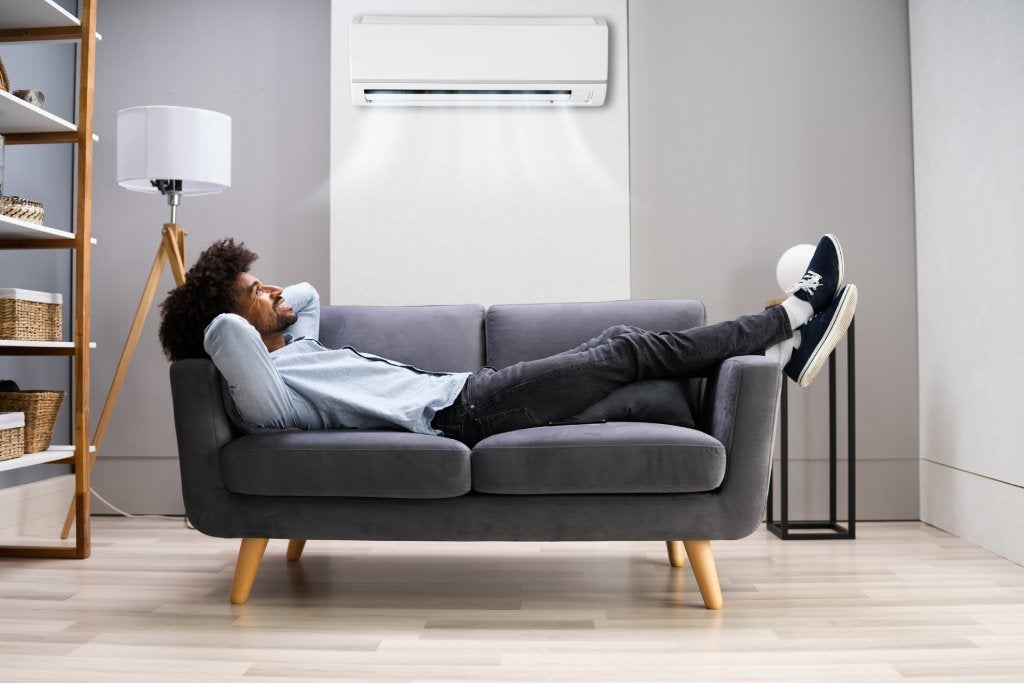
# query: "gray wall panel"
[[265, 64], [755, 126]]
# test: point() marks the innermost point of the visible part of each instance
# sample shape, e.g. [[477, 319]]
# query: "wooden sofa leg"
[[675, 553], [250, 553], [295, 547], [703, 564]]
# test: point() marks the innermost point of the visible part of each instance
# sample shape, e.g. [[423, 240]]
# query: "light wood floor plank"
[[902, 602]]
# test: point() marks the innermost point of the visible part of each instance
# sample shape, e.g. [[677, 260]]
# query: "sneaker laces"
[[810, 282]]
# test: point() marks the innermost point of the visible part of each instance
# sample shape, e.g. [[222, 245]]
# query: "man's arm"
[[256, 386], [305, 301]]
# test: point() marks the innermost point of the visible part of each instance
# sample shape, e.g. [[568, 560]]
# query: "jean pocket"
[[505, 421]]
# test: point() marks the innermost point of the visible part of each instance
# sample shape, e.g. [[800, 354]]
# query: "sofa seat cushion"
[[616, 457], [348, 463]]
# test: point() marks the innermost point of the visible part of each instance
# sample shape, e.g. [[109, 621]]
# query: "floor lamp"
[[175, 151]]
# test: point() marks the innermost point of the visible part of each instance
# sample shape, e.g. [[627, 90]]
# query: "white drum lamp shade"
[[173, 143], [173, 151]]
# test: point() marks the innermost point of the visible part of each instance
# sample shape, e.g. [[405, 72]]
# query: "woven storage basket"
[[28, 210], [31, 316], [12, 435], [40, 408]]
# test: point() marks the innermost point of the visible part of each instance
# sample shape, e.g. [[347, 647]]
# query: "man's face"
[[262, 305]]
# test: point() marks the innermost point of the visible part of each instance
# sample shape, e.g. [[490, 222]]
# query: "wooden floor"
[[903, 601]]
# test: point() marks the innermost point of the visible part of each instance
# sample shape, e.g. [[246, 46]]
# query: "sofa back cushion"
[[436, 338], [517, 332]]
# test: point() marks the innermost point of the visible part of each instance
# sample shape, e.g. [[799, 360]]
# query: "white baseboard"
[[976, 508], [37, 508]]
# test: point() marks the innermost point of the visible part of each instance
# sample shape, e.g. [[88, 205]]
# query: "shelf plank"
[[14, 347], [15, 229], [54, 344], [36, 13], [42, 344], [37, 344], [18, 116], [55, 34], [49, 455], [66, 551]]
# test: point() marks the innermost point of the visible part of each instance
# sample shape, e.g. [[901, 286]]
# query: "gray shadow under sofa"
[[618, 480]]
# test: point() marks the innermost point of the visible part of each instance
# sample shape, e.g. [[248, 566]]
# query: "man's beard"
[[285, 320]]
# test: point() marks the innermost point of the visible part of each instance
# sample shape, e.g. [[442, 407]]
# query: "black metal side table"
[[826, 529]]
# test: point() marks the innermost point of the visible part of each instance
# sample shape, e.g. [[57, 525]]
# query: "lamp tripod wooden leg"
[[171, 250]]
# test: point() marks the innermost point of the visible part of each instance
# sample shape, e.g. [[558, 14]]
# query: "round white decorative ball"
[[793, 265]]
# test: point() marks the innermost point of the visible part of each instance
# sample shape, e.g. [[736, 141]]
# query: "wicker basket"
[[28, 210], [12, 435], [40, 408], [31, 316], [5, 83]]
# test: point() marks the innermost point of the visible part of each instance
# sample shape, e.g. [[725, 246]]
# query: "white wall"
[[968, 90], [486, 205]]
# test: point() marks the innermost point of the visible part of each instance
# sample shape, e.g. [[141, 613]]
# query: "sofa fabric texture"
[[435, 338], [517, 332], [373, 464], [617, 457]]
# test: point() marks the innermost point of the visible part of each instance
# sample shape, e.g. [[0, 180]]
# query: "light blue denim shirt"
[[305, 385]]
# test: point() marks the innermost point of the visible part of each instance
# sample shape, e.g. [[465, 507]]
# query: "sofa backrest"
[[517, 332], [437, 338], [465, 337]]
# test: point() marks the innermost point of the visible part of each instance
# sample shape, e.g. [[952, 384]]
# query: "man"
[[262, 338]]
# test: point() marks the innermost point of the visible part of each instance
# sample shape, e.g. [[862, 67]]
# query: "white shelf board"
[[35, 14], [18, 343], [16, 229], [49, 455], [18, 116]]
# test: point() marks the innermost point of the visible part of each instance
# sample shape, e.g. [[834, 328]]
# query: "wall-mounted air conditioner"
[[490, 61]]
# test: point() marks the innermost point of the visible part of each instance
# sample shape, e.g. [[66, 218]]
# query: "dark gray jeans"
[[556, 388]]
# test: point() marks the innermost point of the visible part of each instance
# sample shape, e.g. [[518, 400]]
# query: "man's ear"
[[235, 297]]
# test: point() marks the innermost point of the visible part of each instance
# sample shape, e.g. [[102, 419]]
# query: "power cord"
[[123, 513]]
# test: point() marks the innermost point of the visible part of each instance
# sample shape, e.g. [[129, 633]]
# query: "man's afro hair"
[[208, 291]]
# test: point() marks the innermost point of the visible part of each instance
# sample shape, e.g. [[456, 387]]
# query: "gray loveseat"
[[618, 480]]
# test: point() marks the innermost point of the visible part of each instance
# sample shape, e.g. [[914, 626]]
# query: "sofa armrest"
[[740, 407], [202, 428]]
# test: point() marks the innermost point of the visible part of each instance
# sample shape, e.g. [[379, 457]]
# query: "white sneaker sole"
[[833, 335], [841, 262]]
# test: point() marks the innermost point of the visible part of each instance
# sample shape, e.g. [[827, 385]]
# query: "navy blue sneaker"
[[824, 276], [820, 336]]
